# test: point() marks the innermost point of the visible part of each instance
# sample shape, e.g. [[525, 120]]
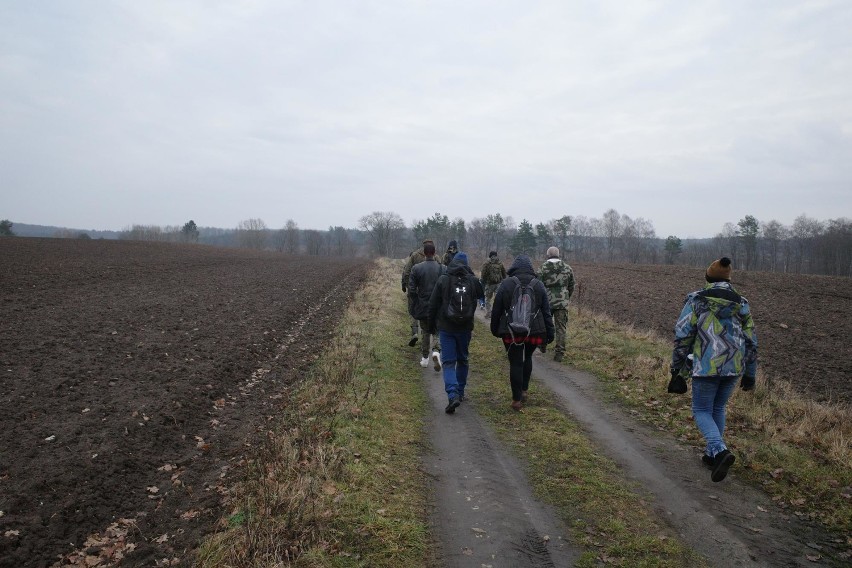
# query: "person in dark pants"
[[519, 349], [422, 281], [454, 336], [416, 257]]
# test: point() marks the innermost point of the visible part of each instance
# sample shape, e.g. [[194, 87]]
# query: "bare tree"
[[384, 229], [637, 238], [834, 248], [726, 242], [476, 236], [773, 234], [339, 242], [496, 229], [251, 233], [314, 242], [144, 233], [803, 233], [612, 229], [583, 232], [291, 237]]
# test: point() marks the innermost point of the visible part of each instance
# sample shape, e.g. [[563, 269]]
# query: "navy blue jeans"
[[454, 356]]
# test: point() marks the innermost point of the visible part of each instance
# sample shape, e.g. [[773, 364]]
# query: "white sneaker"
[[436, 358], [424, 362]]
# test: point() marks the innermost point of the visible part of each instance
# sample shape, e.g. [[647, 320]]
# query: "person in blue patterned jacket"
[[715, 343]]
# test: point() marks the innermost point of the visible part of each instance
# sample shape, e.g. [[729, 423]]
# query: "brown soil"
[[803, 323], [130, 387]]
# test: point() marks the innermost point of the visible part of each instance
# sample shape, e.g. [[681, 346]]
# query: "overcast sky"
[[689, 114]]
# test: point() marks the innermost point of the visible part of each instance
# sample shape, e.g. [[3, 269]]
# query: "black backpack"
[[523, 309], [460, 299]]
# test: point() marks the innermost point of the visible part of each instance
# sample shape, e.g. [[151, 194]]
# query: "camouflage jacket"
[[415, 257], [448, 257], [493, 272], [558, 278]]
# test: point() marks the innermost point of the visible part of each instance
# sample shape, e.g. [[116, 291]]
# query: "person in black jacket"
[[520, 349], [421, 282], [454, 337]]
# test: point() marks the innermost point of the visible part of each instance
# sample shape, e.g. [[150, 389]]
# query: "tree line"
[[807, 246]]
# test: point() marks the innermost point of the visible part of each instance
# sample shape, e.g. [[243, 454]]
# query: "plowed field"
[[132, 377], [803, 323]]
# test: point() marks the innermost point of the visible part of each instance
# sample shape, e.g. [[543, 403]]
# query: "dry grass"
[[607, 515], [323, 489], [797, 448]]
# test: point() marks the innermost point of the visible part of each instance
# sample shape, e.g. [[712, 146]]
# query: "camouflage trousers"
[[490, 290], [415, 325], [428, 341], [560, 322]]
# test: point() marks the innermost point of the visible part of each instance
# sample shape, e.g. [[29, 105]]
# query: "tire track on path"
[[730, 523], [484, 513]]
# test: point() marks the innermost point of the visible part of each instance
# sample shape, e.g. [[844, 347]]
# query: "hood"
[[521, 265], [458, 266]]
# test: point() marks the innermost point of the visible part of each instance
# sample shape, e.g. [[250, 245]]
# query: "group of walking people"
[[432, 288], [715, 342]]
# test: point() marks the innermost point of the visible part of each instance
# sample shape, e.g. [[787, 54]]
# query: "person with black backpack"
[[451, 310], [521, 317]]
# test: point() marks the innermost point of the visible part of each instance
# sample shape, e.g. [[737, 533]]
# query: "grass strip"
[[797, 449], [338, 481], [607, 514]]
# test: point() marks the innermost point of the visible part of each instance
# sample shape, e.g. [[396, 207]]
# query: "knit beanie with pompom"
[[719, 270]]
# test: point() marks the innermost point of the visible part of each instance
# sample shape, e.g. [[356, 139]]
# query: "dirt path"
[[730, 523], [485, 514]]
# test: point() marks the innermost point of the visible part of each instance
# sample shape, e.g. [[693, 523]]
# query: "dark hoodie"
[[438, 302], [543, 324]]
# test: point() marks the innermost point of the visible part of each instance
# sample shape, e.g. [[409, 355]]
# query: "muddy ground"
[[129, 386], [803, 323]]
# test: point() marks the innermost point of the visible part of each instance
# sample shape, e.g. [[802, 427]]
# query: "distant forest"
[[808, 246]]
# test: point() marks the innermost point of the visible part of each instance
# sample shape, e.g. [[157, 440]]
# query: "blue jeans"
[[709, 401], [454, 356]]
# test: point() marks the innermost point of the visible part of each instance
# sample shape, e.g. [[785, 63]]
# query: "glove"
[[747, 383], [404, 288], [543, 348], [677, 384]]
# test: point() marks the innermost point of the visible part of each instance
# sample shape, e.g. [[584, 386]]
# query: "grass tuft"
[[606, 514], [796, 448], [337, 480]]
